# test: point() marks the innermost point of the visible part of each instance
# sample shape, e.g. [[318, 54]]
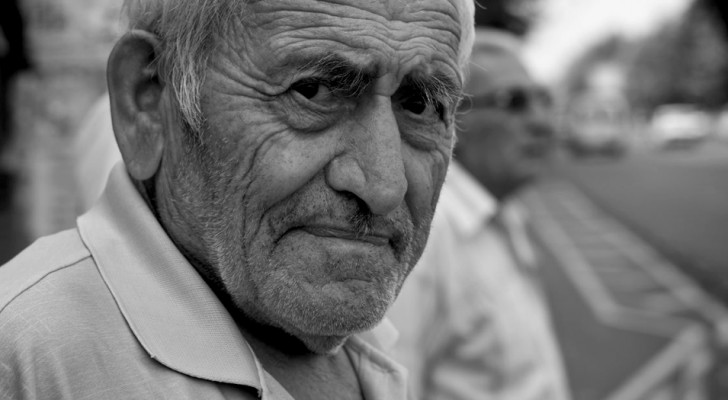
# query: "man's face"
[[311, 195], [508, 133]]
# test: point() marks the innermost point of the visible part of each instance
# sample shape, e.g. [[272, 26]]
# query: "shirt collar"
[[170, 309], [514, 213], [384, 336], [465, 202]]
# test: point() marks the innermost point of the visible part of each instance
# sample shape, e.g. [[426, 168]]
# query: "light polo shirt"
[[112, 310], [472, 325]]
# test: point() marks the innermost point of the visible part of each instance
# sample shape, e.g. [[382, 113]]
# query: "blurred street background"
[[634, 215]]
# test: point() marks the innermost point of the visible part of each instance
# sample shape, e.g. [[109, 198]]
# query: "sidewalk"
[[632, 327]]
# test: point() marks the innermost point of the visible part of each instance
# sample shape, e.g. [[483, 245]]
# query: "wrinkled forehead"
[[392, 36]]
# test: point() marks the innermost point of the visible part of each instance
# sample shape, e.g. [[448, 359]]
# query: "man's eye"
[[419, 105], [415, 105], [312, 89]]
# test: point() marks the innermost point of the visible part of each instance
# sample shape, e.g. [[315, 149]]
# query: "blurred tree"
[[651, 72], [610, 50], [684, 62], [515, 16], [721, 8]]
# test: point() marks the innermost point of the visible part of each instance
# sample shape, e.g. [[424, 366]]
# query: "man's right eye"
[[318, 104], [307, 89], [313, 90]]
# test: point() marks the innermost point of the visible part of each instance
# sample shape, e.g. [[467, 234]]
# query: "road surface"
[[677, 200]]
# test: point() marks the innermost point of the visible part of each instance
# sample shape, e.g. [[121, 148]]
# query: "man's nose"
[[371, 165]]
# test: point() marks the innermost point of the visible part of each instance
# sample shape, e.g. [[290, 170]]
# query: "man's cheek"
[[421, 199], [438, 171]]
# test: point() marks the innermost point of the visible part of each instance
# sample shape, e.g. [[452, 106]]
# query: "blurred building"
[[69, 42]]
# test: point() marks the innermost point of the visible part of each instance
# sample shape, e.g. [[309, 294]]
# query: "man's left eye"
[[415, 105], [419, 105]]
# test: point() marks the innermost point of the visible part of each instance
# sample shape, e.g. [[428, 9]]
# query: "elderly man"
[[282, 161], [473, 322]]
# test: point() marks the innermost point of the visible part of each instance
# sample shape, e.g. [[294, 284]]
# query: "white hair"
[[466, 9], [189, 29]]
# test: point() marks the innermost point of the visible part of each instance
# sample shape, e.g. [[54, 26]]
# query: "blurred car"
[[597, 132], [679, 126], [721, 126]]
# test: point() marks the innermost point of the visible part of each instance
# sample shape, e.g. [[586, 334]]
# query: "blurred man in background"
[[473, 321], [506, 128]]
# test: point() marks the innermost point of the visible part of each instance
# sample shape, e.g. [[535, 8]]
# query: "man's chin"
[[328, 344], [313, 337], [300, 332], [324, 329], [334, 301]]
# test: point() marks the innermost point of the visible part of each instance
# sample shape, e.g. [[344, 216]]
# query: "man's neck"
[[304, 374], [146, 191], [268, 338]]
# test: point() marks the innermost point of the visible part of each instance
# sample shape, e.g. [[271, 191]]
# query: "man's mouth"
[[374, 237]]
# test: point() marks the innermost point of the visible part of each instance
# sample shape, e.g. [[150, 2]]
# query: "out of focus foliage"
[[515, 16], [613, 50], [720, 7], [685, 61]]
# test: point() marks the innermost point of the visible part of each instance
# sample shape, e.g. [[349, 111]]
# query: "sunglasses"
[[516, 100]]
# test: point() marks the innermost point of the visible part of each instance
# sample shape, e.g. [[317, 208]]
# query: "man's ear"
[[137, 111]]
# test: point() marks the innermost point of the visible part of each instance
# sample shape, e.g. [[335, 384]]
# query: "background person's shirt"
[[473, 324]]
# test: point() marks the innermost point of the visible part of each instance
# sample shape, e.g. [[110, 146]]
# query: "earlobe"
[[137, 107]]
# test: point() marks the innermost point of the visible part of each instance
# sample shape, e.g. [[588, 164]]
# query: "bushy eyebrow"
[[340, 74], [435, 88], [352, 79]]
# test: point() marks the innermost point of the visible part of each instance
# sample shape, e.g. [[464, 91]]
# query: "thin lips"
[[375, 238]]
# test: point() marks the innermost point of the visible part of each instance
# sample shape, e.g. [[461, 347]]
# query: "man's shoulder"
[[55, 315], [54, 272], [63, 336], [45, 258]]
